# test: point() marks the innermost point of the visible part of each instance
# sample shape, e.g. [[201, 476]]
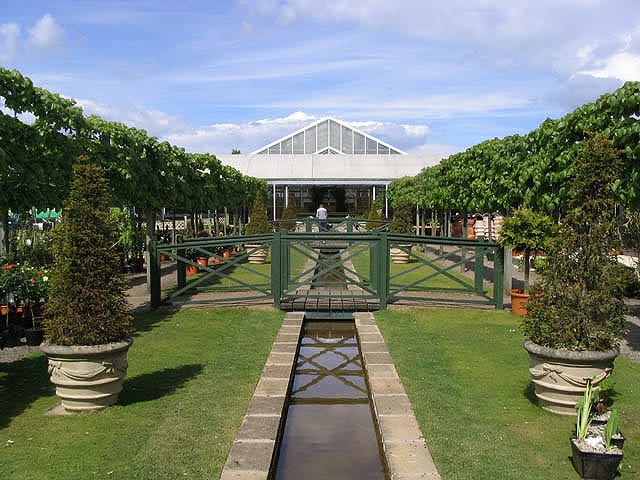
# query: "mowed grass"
[[466, 374], [408, 274], [191, 376], [252, 274]]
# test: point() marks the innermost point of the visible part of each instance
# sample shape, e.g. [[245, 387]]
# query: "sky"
[[430, 76]]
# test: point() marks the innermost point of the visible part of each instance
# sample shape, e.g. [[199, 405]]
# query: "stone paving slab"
[[406, 452]]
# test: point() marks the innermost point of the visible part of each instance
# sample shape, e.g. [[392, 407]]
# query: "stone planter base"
[[87, 377], [400, 256], [259, 256], [560, 376]]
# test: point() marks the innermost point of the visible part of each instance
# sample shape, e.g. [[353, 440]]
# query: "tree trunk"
[[150, 232], [527, 252]]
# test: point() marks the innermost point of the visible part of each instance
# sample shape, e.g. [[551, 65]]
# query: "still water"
[[329, 431]]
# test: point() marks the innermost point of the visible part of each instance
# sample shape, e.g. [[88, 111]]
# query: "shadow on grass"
[[148, 320], [530, 393], [21, 383], [152, 386]]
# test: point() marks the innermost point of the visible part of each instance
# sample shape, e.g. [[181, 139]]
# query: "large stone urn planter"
[[560, 376], [87, 377], [398, 255], [259, 256]]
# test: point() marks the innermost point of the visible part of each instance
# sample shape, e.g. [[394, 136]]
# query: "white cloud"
[[438, 149], [624, 66], [9, 41], [47, 36], [155, 122]]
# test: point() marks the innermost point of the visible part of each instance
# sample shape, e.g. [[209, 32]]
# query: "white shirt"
[[321, 213]]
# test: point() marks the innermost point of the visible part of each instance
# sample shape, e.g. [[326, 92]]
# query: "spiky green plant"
[[87, 303], [374, 214], [259, 223], [611, 428], [583, 407]]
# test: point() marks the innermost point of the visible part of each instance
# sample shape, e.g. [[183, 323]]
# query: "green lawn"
[[466, 374], [438, 282], [249, 276], [191, 376]]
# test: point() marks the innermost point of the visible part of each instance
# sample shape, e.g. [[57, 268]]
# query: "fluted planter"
[[259, 256], [398, 255], [87, 377], [560, 376]]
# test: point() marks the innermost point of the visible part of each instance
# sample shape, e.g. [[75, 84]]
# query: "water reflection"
[[329, 432]]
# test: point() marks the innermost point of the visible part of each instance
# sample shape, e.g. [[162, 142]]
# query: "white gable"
[[328, 137]]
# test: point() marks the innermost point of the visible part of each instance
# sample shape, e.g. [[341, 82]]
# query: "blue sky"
[[427, 76]]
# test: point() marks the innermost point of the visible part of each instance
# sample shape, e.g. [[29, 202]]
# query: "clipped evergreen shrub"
[[402, 220], [289, 218], [87, 303], [582, 307], [259, 222], [374, 214]]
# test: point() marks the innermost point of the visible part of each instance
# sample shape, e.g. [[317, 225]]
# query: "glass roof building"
[[328, 162], [328, 137]]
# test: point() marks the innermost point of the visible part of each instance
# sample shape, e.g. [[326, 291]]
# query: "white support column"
[[286, 196], [274, 201], [374, 193], [386, 202]]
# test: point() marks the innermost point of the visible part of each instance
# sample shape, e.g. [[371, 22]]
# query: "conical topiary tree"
[[87, 303], [259, 223], [288, 217], [374, 214], [402, 220]]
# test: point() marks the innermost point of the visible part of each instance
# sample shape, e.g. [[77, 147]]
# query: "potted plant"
[[573, 329], [594, 453], [401, 223], [36, 287], [87, 325], [257, 225], [529, 232], [193, 255]]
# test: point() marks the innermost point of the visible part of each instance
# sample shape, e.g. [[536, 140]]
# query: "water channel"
[[330, 430]]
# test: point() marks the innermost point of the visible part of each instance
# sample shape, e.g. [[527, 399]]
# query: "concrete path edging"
[[406, 453]]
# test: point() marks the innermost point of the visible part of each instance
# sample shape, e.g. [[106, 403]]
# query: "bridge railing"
[[441, 269]]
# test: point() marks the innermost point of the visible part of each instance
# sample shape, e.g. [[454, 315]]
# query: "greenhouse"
[[328, 162]]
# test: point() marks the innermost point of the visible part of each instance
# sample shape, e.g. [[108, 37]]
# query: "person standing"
[[321, 215]]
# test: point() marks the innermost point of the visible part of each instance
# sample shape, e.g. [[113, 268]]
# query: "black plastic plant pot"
[[618, 439], [595, 465]]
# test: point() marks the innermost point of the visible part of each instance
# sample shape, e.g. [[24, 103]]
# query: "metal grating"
[[298, 143], [334, 135], [286, 146], [323, 135], [372, 146], [347, 140], [310, 140], [274, 149], [358, 143]]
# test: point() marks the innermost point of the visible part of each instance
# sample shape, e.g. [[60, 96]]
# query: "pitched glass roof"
[[328, 137]]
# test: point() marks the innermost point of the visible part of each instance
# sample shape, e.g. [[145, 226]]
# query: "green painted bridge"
[[331, 271]]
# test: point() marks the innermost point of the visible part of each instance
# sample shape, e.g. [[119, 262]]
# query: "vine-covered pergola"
[[42, 133]]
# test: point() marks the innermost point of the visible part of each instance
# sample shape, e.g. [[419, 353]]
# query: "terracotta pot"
[[191, 270], [87, 377], [226, 254], [560, 376], [164, 257], [217, 260], [519, 301], [4, 309], [204, 261]]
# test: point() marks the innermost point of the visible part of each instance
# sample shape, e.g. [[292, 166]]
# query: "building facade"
[[328, 162]]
